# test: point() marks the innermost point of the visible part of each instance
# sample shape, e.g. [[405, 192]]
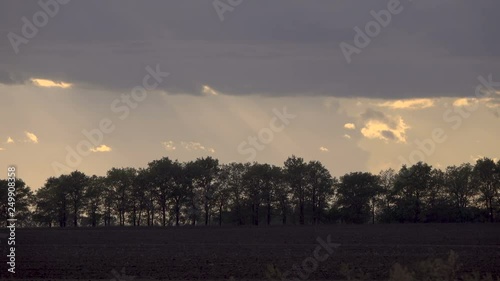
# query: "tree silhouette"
[[162, 180], [94, 198], [355, 191], [486, 174], [320, 188], [412, 187], [76, 184], [202, 191], [296, 174], [24, 198]]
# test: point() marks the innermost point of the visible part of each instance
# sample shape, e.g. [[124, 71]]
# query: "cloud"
[[408, 104], [346, 136], [388, 134], [350, 126], [209, 91], [492, 102], [331, 103], [474, 158], [464, 102], [7, 79], [1, 149], [187, 145], [418, 60], [378, 130], [46, 83], [371, 114], [169, 145], [324, 149], [101, 148], [194, 146], [31, 137], [378, 125], [9, 140]]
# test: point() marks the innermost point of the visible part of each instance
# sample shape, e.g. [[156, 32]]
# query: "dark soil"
[[244, 252]]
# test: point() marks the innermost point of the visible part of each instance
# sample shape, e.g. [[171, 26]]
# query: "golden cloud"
[[209, 91], [169, 145], [50, 84], [408, 104], [376, 129], [101, 148], [350, 126], [31, 137]]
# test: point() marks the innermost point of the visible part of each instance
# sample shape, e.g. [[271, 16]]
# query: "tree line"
[[205, 192]]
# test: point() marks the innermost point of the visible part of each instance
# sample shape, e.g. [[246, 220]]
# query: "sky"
[[359, 86]]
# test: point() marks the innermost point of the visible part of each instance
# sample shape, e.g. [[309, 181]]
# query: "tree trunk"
[[301, 213], [318, 211], [206, 213], [268, 212], [220, 215], [491, 210], [177, 211], [163, 214], [134, 215], [283, 212], [75, 214], [373, 213], [194, 217], [314, 205], [257, 214], [417, 211]]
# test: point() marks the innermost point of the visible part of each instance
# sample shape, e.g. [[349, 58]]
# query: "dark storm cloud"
[[432, 48], [371, 114], [375, 115], [388, 134], [8, 78], [5, 78]]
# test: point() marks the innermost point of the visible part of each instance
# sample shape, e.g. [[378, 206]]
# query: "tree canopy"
[[206, 192]]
